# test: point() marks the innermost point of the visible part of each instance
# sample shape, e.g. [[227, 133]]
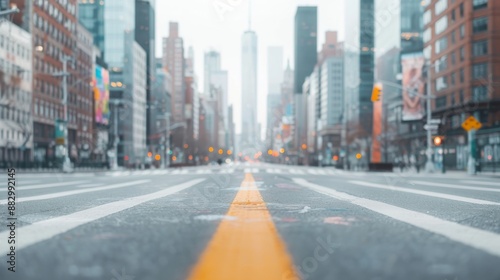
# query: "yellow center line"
[[248, 247]]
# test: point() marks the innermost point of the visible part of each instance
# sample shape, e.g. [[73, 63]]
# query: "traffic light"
[[377, 92], [438, 140]]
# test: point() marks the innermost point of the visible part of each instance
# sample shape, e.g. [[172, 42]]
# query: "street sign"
[[435, 121], [471, 123], [431, 127]]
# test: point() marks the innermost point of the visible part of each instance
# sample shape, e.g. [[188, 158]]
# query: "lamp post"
[[12, 10], [66, 167]]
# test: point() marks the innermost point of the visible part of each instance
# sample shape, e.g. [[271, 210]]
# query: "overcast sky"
[[204, 26]]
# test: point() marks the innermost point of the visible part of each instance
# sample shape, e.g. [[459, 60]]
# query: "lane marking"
[[255, 170], [44, 186], [73, 192], [482, 183], [44, 230], [247, 170], [426, 193], [450, 186], [247, 246], [473, 237], [296, 171]]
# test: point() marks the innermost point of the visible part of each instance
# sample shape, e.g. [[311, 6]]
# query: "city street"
[[255, 221]]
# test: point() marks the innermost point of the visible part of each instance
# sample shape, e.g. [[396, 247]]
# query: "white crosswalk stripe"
[[51, 185], [474, 237], [441, 185]]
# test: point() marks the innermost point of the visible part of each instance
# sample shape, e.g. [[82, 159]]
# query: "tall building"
[[274, 81], [145, 36], [249, 88], [160, 114], [461, 42], [212, 64], [84, 101], [91, 16], [398, 37], [359, 75], [53, 47], [173, 61], [16, 120], [306, 44], [127, 64]]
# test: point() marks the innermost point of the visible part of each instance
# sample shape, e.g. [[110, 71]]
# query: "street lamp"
[[66, 167], [12, 10]]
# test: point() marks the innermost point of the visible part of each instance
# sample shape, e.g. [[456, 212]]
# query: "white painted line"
[[177, 171], [442, 185], [43, 186], [321, 172], [44, 230], [22, 182], [227, 171], [183, 172], [473, 237], [255, 170], [73, 192], [296, 171], [427, 193], [204, 171], [278, 171], [493, 184], [270, 170], [312, 171], [247, 170], [89, 185]]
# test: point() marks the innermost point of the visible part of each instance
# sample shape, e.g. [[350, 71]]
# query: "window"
[[479, 4], [441, 44], [462, 12], [441, 83], [452, 35], [453, 16], [462, 31], [453, 58], [480, 24], [461, 96], [427, 17], [479, 70], [441, 5], [480, 48], [462, 75], [441, 102], [427, 35], [452, 78], [479, 93], [462, 53], [441, 64], [441, 25]]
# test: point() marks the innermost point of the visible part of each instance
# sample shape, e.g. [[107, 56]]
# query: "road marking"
[[204, 171], [247, 170], [44, 230], [477, 238], [227, 171], [427, 193], [89, 185], [73, 192], [296, 171], [312, 171], [255, 170], [270, 170], [177, 171], [183, 171], [247, 247], [482, 183], [51, 185], [442, 185]]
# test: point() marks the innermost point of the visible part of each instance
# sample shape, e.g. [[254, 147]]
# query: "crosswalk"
[[205, 171]]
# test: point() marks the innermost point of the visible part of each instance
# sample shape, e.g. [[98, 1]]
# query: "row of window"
[[11, 134], [9, 43], [479, 93], [12, 69], [14, 114], [479, 71], [442, 5], [57, 15]]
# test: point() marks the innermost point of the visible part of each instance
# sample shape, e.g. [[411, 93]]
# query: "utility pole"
[[429, 166], [66, 166]]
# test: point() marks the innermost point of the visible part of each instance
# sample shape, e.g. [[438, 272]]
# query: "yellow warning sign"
[[471, 123]]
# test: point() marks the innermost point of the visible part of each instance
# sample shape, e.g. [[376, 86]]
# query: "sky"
[[219, 25]]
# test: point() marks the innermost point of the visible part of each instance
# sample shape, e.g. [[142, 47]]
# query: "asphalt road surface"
[[250, 222]]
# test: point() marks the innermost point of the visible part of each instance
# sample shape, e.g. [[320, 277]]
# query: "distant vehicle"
[[213, 163], [219, 161]]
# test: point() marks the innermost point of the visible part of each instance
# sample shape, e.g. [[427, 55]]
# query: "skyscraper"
[[212, 64], [274, 81], [173, 61], [359, 70], [249, 88], [306, 43], [91, 16], [145, 37]]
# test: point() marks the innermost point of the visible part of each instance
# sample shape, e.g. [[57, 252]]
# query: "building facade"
[[462, 43], [359, 47], [16, 120], [274, 81], [249, 89], [306, 44], [145, 36]]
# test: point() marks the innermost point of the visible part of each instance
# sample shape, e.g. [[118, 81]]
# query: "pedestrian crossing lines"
[[205, 171]]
